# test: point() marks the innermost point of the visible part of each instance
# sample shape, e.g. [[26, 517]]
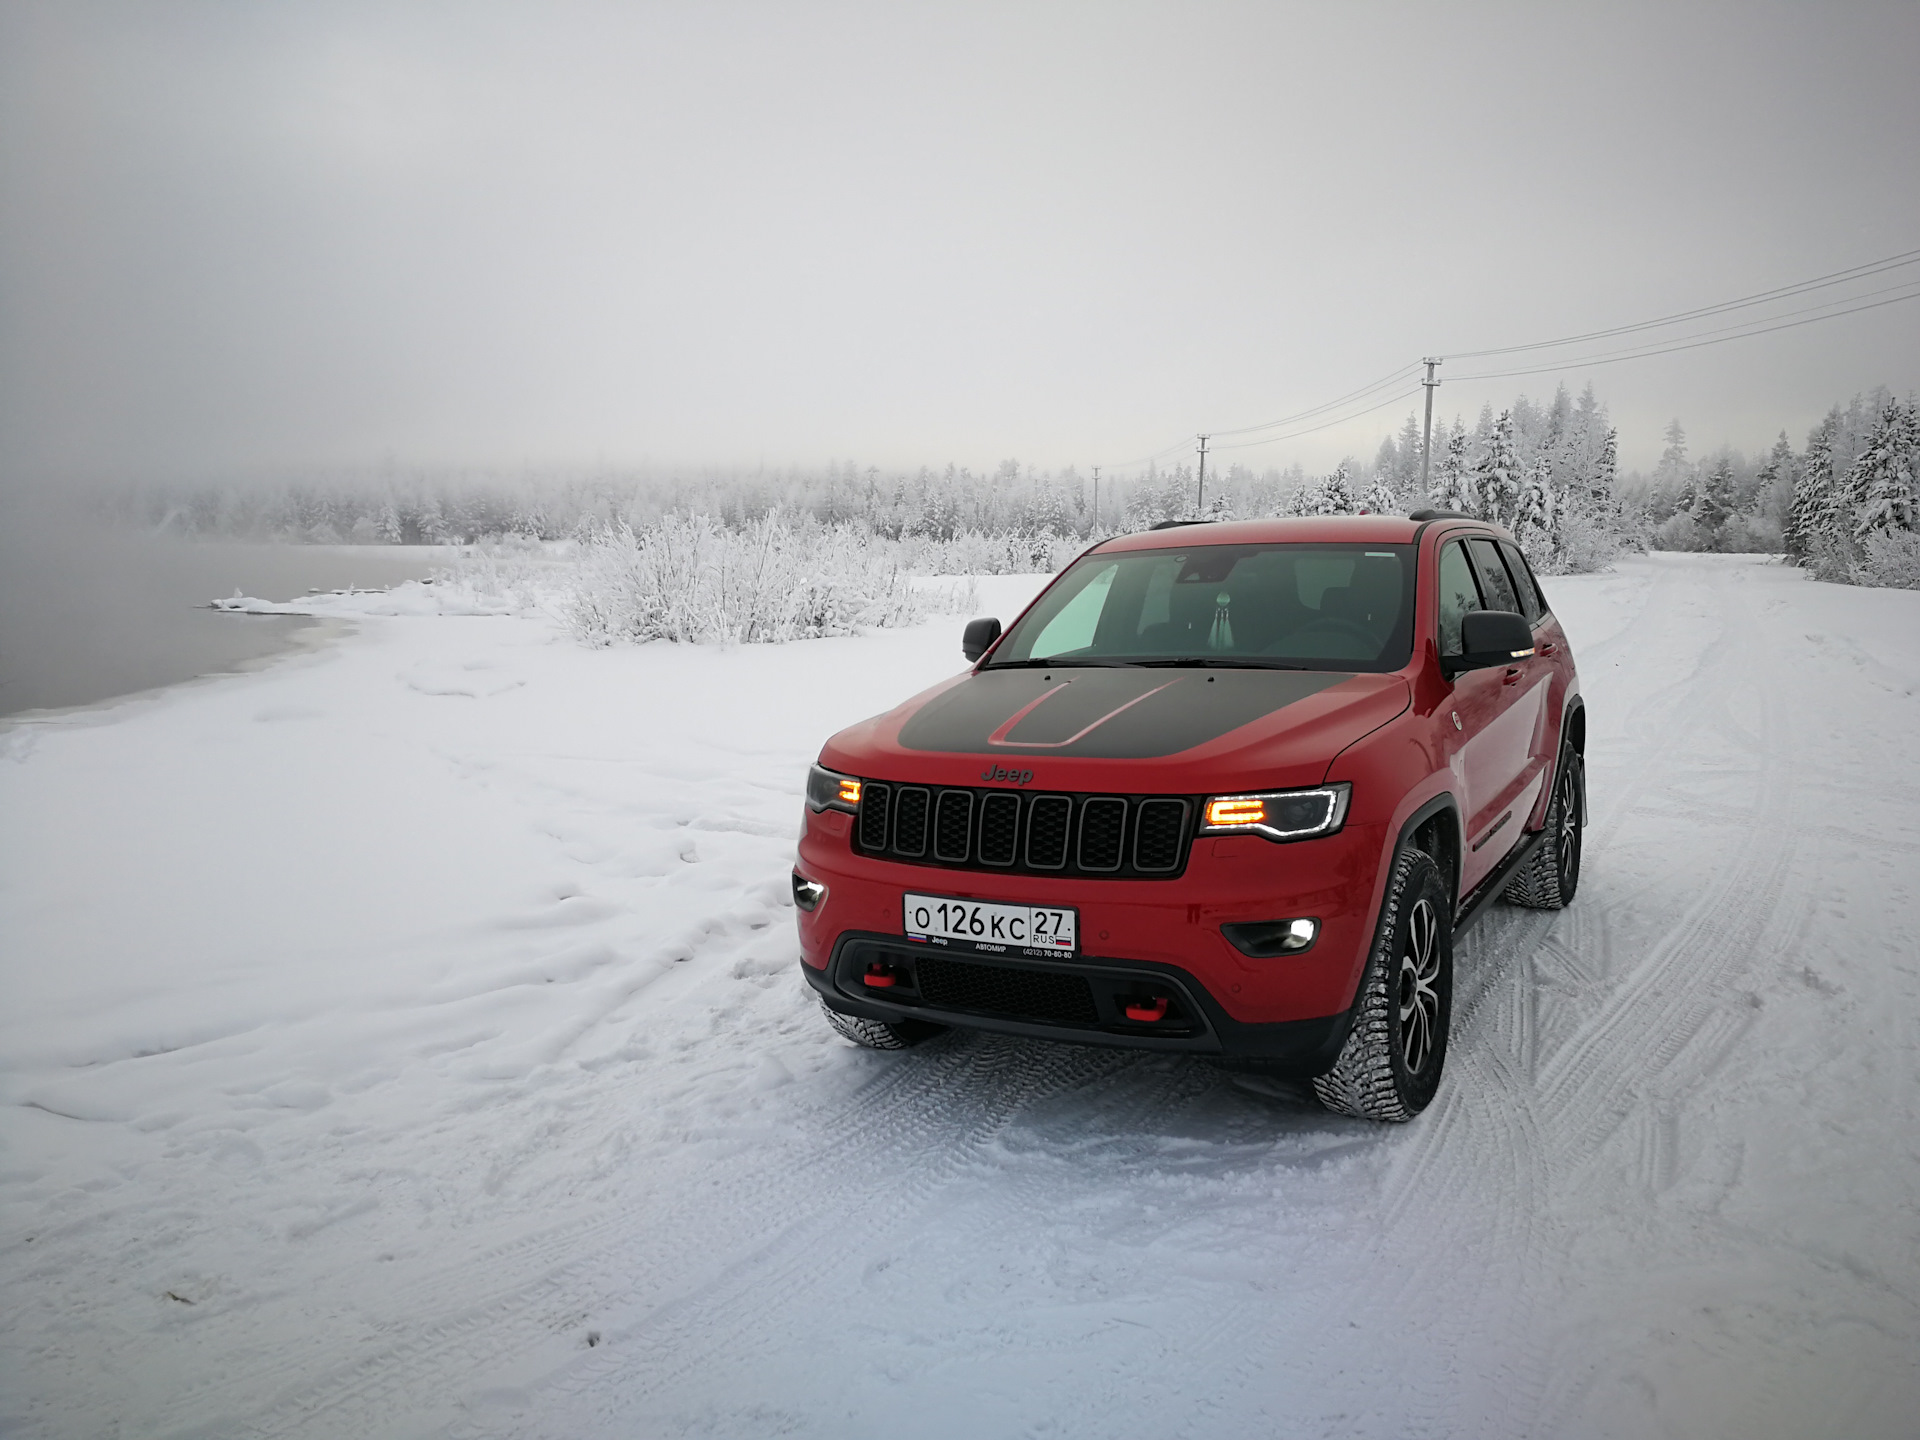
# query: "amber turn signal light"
[[1239, 810]]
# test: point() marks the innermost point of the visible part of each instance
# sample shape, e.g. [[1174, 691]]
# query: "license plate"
[[987, 926]]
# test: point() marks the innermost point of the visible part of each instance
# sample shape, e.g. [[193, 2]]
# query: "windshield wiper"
[[1058, 664], [1195, 661]]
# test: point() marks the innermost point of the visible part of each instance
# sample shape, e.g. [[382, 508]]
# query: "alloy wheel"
[[1568, 840], [1419, 982]]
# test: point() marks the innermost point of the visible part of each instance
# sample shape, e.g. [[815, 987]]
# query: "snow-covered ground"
[[406, 1040]]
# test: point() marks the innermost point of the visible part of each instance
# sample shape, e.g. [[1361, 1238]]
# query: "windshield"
[[1303, 607]]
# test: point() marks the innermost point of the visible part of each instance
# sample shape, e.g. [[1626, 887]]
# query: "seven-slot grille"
[[1130, 836]]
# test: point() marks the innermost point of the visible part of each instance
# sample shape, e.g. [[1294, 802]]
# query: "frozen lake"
[[89, 615]]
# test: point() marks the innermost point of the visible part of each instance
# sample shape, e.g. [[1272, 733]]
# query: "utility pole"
[[1426, 451], [1096, 499], [1200, 508]]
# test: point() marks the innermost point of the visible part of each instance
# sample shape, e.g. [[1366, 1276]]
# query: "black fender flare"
[[1573, 740], [1443, 803]]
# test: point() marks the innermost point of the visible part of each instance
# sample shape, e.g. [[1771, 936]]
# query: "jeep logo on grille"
[[1000, 772]]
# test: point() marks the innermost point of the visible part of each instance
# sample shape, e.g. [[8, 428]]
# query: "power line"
[[1666, 349], [1325, 424], [1364, 390], [1819, 282], [1161, 454], [1761, 325], [1746, 326]]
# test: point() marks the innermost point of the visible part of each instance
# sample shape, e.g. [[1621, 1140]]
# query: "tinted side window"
[[1458, 595], [1494, 583], [1529, 582], [1531, 605], [1073, 628]]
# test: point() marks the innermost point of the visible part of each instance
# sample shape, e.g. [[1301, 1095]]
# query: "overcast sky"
[[240, 236]]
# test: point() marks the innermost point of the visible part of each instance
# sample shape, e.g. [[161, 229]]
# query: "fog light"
[[807, 894], [1265, 939]]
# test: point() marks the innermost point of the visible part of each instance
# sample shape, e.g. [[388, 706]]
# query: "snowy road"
[[406, 1041]]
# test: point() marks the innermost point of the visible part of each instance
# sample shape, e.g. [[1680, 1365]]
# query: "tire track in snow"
[[757, 1294], [1648, 1018], [657, 1257], [549, 1261]]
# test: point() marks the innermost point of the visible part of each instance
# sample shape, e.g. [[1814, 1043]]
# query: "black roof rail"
[[1438, 515], [1174, 524]]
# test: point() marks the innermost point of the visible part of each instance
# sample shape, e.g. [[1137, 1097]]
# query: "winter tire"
[[880, 1034], [1390, 1066], [1551, 875]]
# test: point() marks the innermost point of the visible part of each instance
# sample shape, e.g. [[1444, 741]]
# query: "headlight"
[[829, 791], [1279, 814]]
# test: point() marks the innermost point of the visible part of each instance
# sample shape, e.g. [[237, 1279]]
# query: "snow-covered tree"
[[1453, 487], [1326, 495], [1714, 505], [1406, 476], [1673, 476], [1337, 492], [1605, 476], [1774, 487], [1496, 475], [1537, 505], [1882, 482], [1308, 498], [1810, 514], [1380, 499]]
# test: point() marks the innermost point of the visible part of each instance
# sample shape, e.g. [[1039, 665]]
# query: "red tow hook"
[[881, 977], [1153, 1008]]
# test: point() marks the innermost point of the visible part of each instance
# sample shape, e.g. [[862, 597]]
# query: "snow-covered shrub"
[[1830, 557], [1750, 534], [1586, 544], [971, 552], [1677, 532], [689, 578], [1892, 559]]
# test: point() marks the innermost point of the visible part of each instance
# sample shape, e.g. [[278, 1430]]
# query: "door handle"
[[1547, 648], [1512, 677]]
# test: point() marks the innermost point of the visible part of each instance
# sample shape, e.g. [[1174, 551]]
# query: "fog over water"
[[90, 614]]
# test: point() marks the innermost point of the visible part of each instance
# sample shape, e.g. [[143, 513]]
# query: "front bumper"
[[1129, 930], [1098, 989]]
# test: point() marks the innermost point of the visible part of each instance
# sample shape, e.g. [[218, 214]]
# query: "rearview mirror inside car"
[[980, 634], [1488, 638]]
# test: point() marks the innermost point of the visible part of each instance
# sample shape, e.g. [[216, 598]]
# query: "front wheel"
[[880, 1034], [1390, 1066]]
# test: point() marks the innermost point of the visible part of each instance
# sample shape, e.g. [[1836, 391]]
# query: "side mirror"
[[1488, 638], [979, 636]]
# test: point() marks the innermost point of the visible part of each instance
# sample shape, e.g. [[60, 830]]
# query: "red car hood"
[[1126, 729]]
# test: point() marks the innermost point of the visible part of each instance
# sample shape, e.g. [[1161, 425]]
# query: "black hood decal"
[[1107, 714]]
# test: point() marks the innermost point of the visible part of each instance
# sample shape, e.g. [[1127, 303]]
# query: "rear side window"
[[1532, 603], [1458, 595], [1494, 582]]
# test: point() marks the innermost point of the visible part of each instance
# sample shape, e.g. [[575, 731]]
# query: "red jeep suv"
[[1229, 789]]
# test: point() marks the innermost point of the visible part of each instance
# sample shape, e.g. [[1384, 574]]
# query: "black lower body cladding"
[[1083, 1001]]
